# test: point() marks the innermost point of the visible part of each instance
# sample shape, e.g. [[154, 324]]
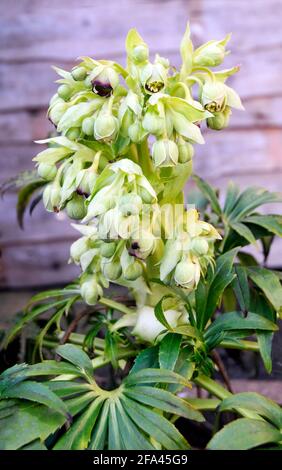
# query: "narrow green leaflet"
[[271, 222], [159, 312], [236, 321], [146, 359], [76, 356], [169, 351], [253, 401], [241, 288], [155, 375], [244, 434], [244, 231], [269, 283], [265, 347], [209, 193], [24, 197]]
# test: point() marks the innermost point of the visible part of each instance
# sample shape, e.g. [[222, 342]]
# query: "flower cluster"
[[124, 150]]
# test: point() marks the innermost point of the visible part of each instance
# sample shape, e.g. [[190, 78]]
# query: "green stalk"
[[203, 404], [98, 362], [115, 305], [220, 392], [145, 159], [240, 344]]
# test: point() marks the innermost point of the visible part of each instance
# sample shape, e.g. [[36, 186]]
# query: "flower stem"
[[115, 305]]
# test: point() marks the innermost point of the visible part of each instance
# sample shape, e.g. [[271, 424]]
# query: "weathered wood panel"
[[34, 34]]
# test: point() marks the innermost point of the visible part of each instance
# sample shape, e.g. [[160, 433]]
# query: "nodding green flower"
[[219, 120], [187, 273], [216, 96], [186, 150], [76, 208], [136, 133], [52, 196], [133, 271], [73, 133], [148, 328], [165, 153], [56, 111], [140, 53], [107, 249], [153, 123], [64, 92], [212, 53], [79, 73], [90, 289], [88, 126], [142, 245], [153, 78], [104, 80], [200, 246], [78, 248], [105, 126], [47, 171], [130, 204]]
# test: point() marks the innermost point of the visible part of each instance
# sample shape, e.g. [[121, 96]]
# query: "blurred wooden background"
[[34, 34]]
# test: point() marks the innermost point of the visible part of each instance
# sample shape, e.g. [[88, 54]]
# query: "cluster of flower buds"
[[125, 148], [71, 170], [189, 252]]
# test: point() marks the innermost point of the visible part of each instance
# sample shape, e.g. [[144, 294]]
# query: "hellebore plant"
[[118, 164]]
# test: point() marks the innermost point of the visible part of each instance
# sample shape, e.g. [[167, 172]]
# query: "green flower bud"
[[73, 133], [130, 204], [153, 78], [76, 207], [47, 171], [52, 196], [57, 111], [112, 270], [90, 290], [219, 120], [136, 132], [88, 126], [153, 123], [140, 53], [105, 127], [79, 247], [186, 151], [165, 153], [187, 274], [64, 92], [200, 246], [79, 73], [146, 197], [107, 250], [211, 54], [147, 326], [133, 271]]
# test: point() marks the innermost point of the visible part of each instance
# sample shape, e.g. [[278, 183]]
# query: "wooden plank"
[[36, 265], [41, 227], [45, 29]]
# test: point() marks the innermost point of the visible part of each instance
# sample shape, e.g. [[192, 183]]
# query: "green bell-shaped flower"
[[104, 80], [105, 126], [211, 53], [79, 73], [186, 150], [76, 208], [47, 171], [90, 289], [165, 153], [153, 78], [187, 273]]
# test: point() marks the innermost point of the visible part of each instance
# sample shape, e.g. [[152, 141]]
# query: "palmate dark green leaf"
[[163, 400], [152, 423], [114, 434], [269, 283], [28, 423], [244, 434], [235, 321], [209, 193], [37, 392], [98, 440], [253, 401], [132, 437], [79, 434], [68, 388], [169, 351]]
